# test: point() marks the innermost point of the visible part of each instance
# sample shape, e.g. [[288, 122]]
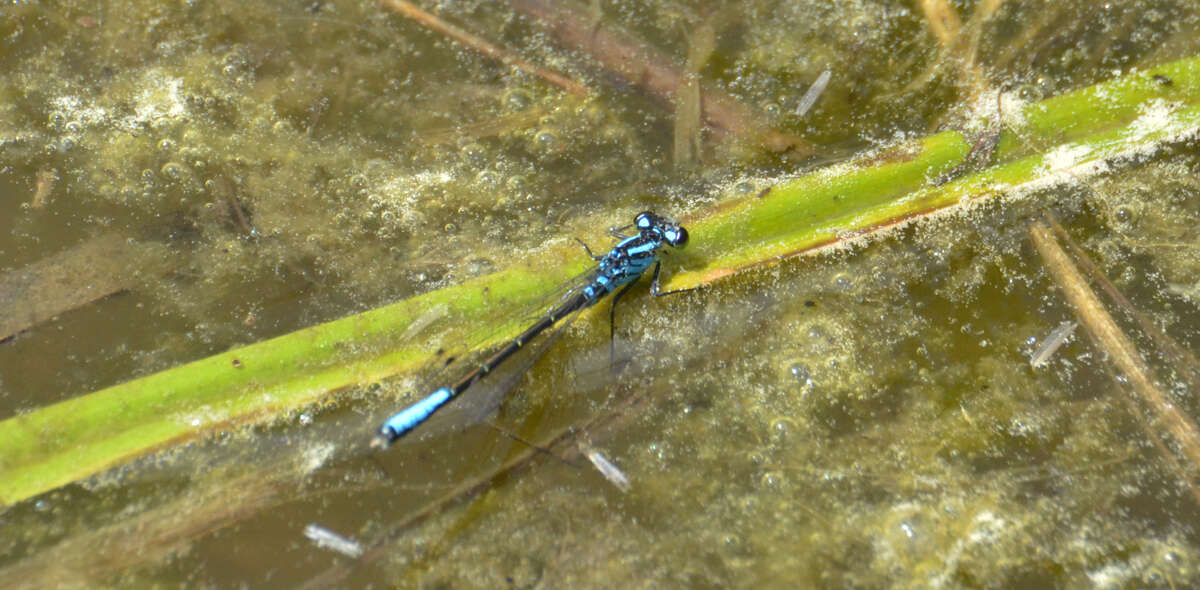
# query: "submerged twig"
[[944, 23], [1183, 361], [90, 271], [657, 75], [1112, 340], [1173, 462], [688, 110], [411, 11]]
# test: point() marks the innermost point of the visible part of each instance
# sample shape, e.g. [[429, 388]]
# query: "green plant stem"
[[1106, 123]]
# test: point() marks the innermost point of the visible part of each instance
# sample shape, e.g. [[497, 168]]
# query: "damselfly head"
[[675, 235], [671, 233]]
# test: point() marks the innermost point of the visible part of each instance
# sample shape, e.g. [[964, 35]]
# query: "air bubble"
[[173, 170], [781, 428], [517, 183], [486, 178], [546, 140], [517, 99]]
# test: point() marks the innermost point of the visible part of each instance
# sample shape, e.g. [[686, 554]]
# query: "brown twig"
[[1180, 359], [959, 41], [1155, 437], [411, 11], [95, 269], [942, 20], [689, 120], [658, 76], [1108, 337]]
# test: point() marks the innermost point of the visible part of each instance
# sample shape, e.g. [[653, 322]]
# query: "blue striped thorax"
[[630, 257]]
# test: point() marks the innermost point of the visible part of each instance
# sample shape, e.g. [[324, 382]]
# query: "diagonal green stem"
[[1119, 122], [849, 200]]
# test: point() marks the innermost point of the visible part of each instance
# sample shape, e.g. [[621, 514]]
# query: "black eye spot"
[[681, 238]]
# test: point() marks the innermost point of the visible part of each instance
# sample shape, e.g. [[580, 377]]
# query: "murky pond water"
[[860, 419]]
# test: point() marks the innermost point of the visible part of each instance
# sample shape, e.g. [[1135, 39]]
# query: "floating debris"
[[1053, 342], [814, 93], [43, 186], [610, 472], [327, 539]]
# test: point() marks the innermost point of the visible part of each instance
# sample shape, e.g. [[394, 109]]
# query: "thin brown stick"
[[1052, 19], [942, 21], [411, 11], [1172, 461], [1183, 361], [689, 121], [657, 75], [1108, 337], [97, 268], [958, 45]]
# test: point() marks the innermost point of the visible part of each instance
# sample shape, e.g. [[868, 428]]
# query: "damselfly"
[[618, 269]]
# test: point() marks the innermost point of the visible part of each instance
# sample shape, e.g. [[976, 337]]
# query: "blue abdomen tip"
[[413, 415]]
